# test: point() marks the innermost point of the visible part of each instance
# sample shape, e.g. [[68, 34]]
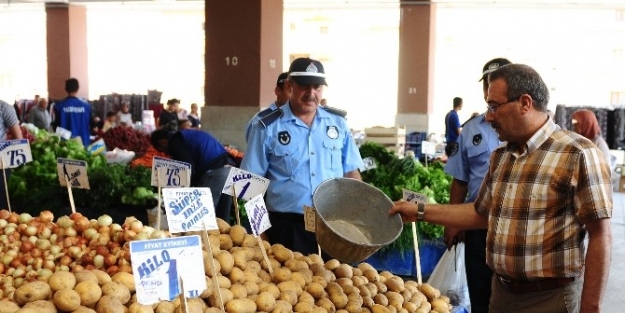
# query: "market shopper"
[[73, 113], [297, 147], [468, 164], [11, 125], [39, 115], [282, 97], [169, 116], [546, 190], [452, 126], [585, 123], [124, 117], [194, 116], [209, 161]]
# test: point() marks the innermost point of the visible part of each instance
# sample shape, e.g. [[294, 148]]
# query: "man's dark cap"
[[492, 66], [306, 72], [281, 79]]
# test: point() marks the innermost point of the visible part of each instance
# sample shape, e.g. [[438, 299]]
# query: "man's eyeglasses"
[[493, 106]]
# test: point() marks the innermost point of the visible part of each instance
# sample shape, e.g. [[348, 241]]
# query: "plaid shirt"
[[538, 201]]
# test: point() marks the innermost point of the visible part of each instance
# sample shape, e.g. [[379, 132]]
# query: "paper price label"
[[310, 219], [63, 133], [246, 185], [188, 209], [15, 153], [72, 171], [428, 148], [414, 197], [173, 174], [159, 264], [257, 215], [368, 164]]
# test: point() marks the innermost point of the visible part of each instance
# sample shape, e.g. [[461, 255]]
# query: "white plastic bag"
[[119, 156], [450, 276]]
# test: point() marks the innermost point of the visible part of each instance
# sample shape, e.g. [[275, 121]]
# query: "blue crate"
[[403, 264]]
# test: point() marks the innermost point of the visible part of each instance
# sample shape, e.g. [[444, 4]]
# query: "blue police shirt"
[[470, 159], [74, 115], [255, 119], [296, 158]]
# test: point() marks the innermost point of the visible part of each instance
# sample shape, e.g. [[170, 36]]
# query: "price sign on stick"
[[257, 215], [415, 197], [72, 173], [188, 209], [246, 184], [15, 153], [159, 264], [63, 133], [174, 173], [368, 164]]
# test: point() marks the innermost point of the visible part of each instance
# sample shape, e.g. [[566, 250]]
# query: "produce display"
[[81, 265], [127, 138]]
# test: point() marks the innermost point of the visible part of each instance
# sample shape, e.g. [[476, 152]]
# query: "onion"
[[141, 236], [101, 250], [90, 233], [53, 238], [6, 259], [103, 240], [45, 233], [46, 216], [12, 253], [49, 264], [65, 261], [128, 235], [136, 226], [36, 253], [45, 272], [65, 222], [1, 268], [75, 216], [77, 268], [81, 224], [30, 231], [55, 250], [98, 261], [26, 246], [105, 220], [116, 227], [125, 268], [3, 223], [73, 251], [4, 214], [13, 218], [110, 260], [19, 272], [9, 230], [24, 218], [63, 268], [112, 270], [33, 239], [19, 281], [158, 234], [86, 259], [71, 232]]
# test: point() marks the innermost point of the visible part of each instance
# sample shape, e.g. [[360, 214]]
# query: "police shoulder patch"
[[270, 118], [477, 139]]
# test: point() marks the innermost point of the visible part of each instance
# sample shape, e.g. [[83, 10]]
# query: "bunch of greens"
[[393, 174]]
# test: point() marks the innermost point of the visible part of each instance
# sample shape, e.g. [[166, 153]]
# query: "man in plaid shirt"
[[546, 190]]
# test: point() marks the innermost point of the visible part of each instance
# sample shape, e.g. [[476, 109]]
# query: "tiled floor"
[[614, 300]]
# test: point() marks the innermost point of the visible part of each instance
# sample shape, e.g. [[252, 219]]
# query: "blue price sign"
[[15, 153], [159, 264], [257, 215]]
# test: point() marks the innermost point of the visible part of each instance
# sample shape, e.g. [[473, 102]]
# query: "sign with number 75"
[[15, 153]]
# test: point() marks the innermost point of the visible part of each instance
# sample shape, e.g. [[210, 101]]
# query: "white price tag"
[[15, 153], [72, 171], [310, 219], [188, 208], [63, 133], [158, 264], [368, 164], [246, 185], [177, 174], [414, 197], [428, 148], [258, 215]]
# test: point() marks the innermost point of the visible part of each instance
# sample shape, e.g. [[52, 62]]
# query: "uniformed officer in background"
[[468, 163], [297, 147], [282, 96]]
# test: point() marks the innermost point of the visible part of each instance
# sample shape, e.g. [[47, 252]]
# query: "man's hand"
[[453, 236], [407, 210]]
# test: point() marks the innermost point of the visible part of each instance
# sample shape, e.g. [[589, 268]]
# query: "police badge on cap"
[[332, 132], [284, 137]]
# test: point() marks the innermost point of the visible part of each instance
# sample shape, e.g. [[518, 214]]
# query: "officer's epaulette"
[[264, 112], [465, 123], [270, 118], [335, 111]]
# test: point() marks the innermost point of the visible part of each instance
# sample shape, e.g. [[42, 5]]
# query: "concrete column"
[[66, 27], [417, 37], [242, 61]]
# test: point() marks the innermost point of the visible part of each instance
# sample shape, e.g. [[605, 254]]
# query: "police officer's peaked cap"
[[306, 72]]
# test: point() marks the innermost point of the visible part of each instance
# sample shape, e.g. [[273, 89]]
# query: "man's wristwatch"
[[420, 211]]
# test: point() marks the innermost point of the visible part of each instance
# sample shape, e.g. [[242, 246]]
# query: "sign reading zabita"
[[188, 209]]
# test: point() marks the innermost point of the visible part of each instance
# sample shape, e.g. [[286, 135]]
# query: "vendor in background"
[[194, 116], [39, 115], [123, 115], [169, 116], [8, 124], [110, 121], [585, 123], [209, 161], [184, 124]]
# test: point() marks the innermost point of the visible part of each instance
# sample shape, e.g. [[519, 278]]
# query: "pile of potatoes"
[[298, 284]]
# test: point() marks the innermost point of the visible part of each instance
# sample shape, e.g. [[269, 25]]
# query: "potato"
[[116, 290], [353, 307], [225, 242], [418, 297], [316, 290], [306, 297], [226, 295], [212, 310], [364, 291], [290, 285], [326, 304], [226, 262], [38, 306], [367, 301], [32, 291], [315, 258], [357, 281], [371, 275], [290, 296], [344, 271], [303, 307], [299, 278], [272, 289], [237, 276], [339, 299], [241, 306], [224, 282], [214, 244], [430, 292], [125, 279], [282, 307], [332, 264], [354, 297], [223, 226], [264, 276], [395, 284], [165, 307], [295, 265], [317, 268], [85, 275], [280, 253], [377, 308], [410, 307], [89, 292], [380, 299], [62, 280], [320, 281], [66, 300], [356, 271], [372, 288], [238, 291], [84, 309], [440, 306], [249, 241], [265, 301], [237, 234], [7, 306], [140, 308], [381, 286]]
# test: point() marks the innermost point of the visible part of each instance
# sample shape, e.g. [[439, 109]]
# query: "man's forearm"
[[458, 191], [598, 259], [460, 216], [355, 174]]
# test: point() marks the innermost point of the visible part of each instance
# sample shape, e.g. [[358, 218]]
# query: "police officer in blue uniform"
[[468, 162], [282, 96], [297, 147]]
